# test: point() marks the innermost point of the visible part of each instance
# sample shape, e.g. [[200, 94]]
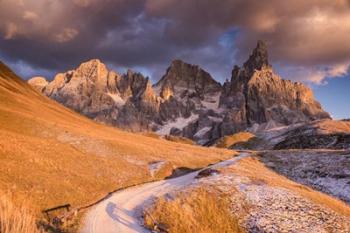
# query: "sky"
[[308, 41]]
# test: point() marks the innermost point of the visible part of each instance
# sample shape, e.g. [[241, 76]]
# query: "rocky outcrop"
[[186, 101], [256, 95], [257, 98], [317, 135], [185, 80], [126, 101], [87, 90], [38, 83], [191, 94]]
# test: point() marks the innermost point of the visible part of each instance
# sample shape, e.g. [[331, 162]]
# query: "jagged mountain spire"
[[187, 101], [262, 96], [258, 59]]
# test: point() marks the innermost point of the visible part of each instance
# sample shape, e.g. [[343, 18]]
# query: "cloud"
[[309, 39], [290, 26], [313, 74], [82, 3], [310, 34], [319, 75], [10, 30], [30, 15], [66, 35], [24, 69]]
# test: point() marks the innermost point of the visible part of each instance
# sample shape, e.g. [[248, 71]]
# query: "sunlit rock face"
[[256, 95], [125, 100], [186, 101], [185, 79], [38, 83]]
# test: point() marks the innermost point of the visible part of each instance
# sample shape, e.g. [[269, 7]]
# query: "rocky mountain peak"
[[186, 101], [130, 72], [91, 69], [258, 59], [177, 63], [135, 82], [262, 96], [38, 83], [182, 76], [91, 64]]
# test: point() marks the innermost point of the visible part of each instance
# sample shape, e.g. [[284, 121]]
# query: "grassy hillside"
[[196, 210], [239, 139], [52, 156], [248, 196]]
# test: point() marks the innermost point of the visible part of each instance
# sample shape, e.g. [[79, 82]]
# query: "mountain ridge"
[[187, 101], [51, 155]]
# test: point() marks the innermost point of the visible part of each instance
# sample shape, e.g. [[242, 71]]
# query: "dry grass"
[[151, 135], [196, 210], [179, 140], [258, 172], [16, 218], [169, 138], [332, 126], [56, 156], [232, 140]]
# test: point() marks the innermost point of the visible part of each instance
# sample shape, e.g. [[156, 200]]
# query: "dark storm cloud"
[[308, 40], [298, 31], [54, 34]]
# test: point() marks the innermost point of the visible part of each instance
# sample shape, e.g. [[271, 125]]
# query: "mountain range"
[[187, 101], [54, 157], [51, 155]]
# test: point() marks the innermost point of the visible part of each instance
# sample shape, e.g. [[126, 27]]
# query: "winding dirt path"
[[122, 212]]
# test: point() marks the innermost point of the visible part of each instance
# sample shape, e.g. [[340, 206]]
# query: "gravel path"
[[122, 212]]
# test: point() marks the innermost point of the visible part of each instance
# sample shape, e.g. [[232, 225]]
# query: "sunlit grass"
[[16, 217], [197, 211]]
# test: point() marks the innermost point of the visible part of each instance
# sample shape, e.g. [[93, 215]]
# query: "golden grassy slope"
[[54, 156], [234, 139]]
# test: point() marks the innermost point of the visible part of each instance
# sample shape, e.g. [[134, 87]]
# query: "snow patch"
[[117, 99], [274, 208], [274, 135], [179, 123], [202, 131], [215, 119], [325, 171]]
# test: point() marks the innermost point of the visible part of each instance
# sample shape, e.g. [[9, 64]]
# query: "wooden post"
[[47, 211]]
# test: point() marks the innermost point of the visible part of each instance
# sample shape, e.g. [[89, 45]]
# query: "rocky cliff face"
[[126, 101], [267, 97], [183, 79], [186, 101], [39, 83]]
